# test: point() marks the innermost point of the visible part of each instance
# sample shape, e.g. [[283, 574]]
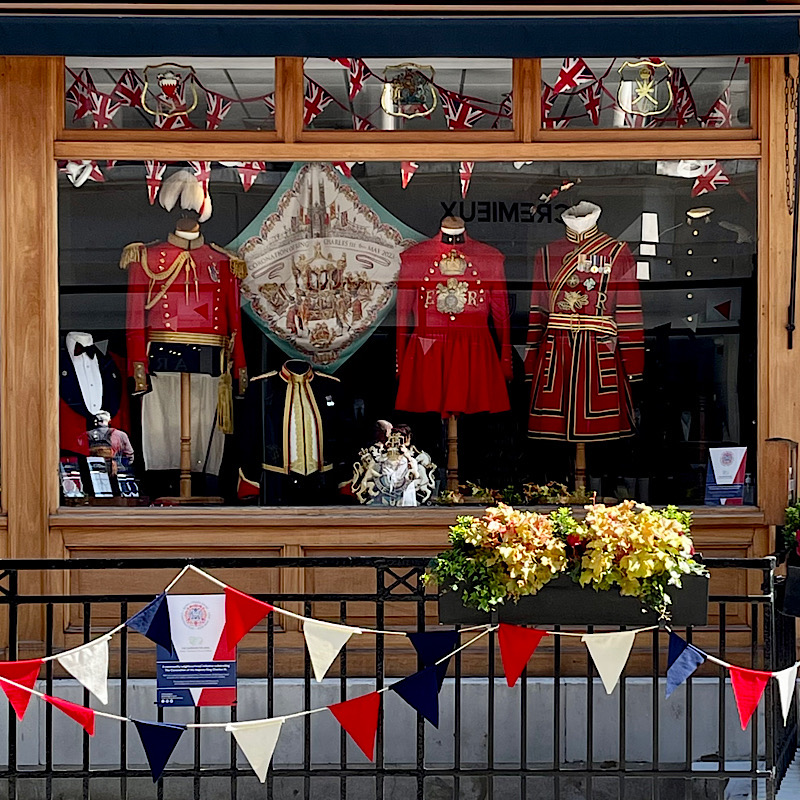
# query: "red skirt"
[[452, 372]]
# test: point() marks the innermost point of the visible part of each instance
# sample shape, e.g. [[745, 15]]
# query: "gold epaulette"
[[325, 375], [271, 374], [135, 251], [237, 265]]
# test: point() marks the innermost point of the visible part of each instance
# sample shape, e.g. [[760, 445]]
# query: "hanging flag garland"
[[154, 174], [315, 101], [359, 717], [573, 74], [465, 169], [257, 741], [712, 177], [217, 108]]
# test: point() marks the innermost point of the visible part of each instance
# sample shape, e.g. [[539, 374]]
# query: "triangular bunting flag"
[[421, 692], [682, 661], [517, 645], [24, 673], [242, 613], [82, 715], [434, 646], [324, 640], [786, 679], [159, 739], [257, 741], [88, 664], [359, 717], [748, 686], [407, 170], [465, 169], [153, 622], [610, 652], [154, 171]]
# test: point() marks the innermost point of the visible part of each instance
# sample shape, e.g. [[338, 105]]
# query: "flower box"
[[564, 602]]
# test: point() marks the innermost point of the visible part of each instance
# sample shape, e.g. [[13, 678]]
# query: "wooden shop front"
[[505, 129]]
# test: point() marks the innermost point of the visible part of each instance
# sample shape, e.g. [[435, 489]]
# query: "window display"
[[340, 334]]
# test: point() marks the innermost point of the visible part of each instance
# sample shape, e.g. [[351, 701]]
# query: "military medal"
[[213, 273]]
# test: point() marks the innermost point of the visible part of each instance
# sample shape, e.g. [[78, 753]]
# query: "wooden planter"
[[563, 602]]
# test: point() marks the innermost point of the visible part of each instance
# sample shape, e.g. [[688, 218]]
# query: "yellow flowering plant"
[[508, 553]]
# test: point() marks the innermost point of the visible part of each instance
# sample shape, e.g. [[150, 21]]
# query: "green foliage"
[[791, 526]]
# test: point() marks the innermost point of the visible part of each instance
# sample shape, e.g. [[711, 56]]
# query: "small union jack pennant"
[[345, 167], [315, 101], [154, 172], [248, 171], [573, 74], [357, 74], [362, 124], [345, 62], [459, 113], [710, 180], [407, 170], [590, 95], [269, 102], [682, 100], [719, 115], [548, 101], [202, 171], [129, 89], [104, 108], [217, 108], [465, 169], [78, 95], [504, 110]]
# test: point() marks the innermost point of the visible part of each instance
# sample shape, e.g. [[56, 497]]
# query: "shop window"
[[431, 94], [170, 94], [645, 93], [322, 334]]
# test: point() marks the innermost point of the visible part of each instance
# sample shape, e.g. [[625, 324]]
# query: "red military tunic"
[[185, 292], [585, 340], [446, 358]]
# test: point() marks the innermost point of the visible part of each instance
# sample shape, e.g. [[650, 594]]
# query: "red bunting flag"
[[359, 717], [407, 170], [748, 686], [315, 101], [24, 673], [269, 102], [590, 95], [719, 115], [129, 89], [217, 108], [517, 645], [362, 124], [83, 716], [242, 612], [710, 180], [154, 171], [78, 95], [573, 74], [683, 103], [357, 74], [548, 101], [104, 109], [460, 114], [465, 169]]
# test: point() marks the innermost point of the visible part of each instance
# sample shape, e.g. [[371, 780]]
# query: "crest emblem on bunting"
[[645, 88], [411, 92]]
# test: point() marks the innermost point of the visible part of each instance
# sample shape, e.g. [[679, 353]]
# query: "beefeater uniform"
[[447, 360], [585, 342], [183, 315]]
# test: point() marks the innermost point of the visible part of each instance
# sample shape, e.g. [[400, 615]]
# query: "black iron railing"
[[555, 734]]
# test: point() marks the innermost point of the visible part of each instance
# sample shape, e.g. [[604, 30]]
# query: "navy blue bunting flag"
[[159, 739], [682, 660], [434, 646], [421, 692], [153, 622]]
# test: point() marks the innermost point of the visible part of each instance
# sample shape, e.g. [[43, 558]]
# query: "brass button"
[[167, 325]]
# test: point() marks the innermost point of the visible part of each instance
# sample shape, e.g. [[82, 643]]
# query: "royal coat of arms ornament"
[[645, 88], [170, 90], [322, 261], [409, 91]]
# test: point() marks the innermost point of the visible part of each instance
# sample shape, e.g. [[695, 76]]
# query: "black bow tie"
[[90, 350]]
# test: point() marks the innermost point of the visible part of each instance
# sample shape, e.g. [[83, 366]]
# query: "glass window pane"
[[605, 309], [694, 92], [431, 94], [171, 93]]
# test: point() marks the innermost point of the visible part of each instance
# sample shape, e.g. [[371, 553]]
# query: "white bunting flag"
[[786, 682], [610, 653], [88, 664], [257, 740], [324, 640]]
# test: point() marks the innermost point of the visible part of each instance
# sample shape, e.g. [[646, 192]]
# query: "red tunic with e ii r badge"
[[585, 339], [447, 360]]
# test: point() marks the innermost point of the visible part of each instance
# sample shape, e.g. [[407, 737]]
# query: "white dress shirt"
[[87, 370]]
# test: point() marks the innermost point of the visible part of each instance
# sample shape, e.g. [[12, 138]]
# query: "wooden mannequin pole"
[[452, 454], [186, 434], [580, 466]]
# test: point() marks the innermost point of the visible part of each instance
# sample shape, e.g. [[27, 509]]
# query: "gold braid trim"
[[133, 252], [237, 265]]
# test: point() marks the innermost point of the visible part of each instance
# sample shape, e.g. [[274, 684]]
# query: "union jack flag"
[[104, 109], [548, 101], [202, 171], [217, 108], [78, 95], [345, 167], [710, 180], [362, 124], [315, 101], [590, 95], [248, 171], [357, 74], [573, 74], [154, 172], [345, 62], [719, 115], [460, 114], [269, 102], [504, 111], [683, 102], [129, 89], [407, 170], [465, 169]]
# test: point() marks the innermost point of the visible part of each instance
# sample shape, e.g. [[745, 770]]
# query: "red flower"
[[573, 540]]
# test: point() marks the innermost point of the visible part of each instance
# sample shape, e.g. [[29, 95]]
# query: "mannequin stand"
[[580, 466], [185, 497], [452, 454]]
